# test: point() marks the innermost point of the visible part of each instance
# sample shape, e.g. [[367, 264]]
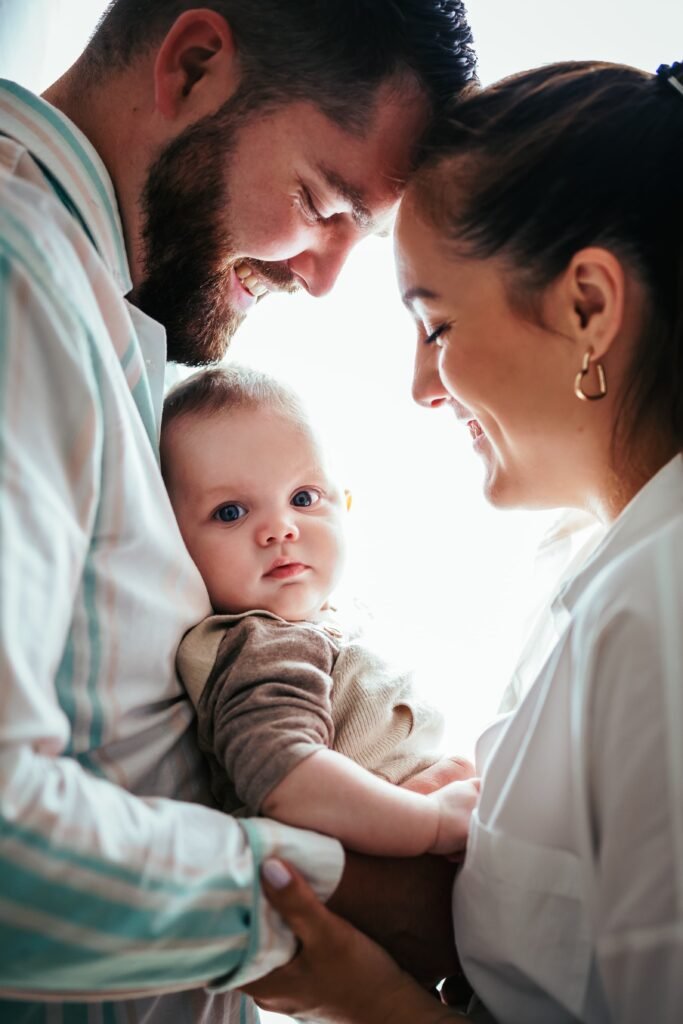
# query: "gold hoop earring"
[[583, 372]]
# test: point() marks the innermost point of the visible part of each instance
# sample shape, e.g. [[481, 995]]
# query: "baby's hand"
[[455, 804]]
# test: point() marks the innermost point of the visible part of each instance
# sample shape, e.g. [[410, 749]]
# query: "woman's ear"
[[593, 287], [196, 69]]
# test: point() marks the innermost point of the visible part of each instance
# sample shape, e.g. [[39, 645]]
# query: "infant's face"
[[258, 511]]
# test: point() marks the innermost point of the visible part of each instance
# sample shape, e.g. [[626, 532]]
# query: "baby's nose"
[[278, 531]]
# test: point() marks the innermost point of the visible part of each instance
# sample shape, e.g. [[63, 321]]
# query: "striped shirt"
[[124, 895]]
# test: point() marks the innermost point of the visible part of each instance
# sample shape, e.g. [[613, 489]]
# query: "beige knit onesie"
[[269, 693]]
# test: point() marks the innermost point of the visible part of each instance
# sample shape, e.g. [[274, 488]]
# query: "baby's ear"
[[349, 500]]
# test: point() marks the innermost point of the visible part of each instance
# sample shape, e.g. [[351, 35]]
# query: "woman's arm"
[[339, 975], [329, 793]]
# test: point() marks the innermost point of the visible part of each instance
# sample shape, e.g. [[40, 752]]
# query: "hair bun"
[[671, 74]]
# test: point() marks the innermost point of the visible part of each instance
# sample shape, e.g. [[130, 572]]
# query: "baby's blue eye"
[[304, 498], [230, 513]]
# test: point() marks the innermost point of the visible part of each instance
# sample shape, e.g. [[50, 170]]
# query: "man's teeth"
[[250, 281]]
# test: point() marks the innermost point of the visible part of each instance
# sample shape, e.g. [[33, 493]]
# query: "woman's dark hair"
[[334, 52], [544, 163]]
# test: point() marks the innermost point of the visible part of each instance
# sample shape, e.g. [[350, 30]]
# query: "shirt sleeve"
[[266, 704], [635, 774], [101, 892]]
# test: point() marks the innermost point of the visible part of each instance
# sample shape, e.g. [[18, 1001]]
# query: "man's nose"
[[319, 267], [277, 529], [427, 387]]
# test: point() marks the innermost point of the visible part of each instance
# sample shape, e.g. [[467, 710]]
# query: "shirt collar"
[[67, 155], [659, 501]]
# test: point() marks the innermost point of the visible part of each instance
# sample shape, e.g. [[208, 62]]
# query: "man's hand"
[[339, 976], [405, 905], [445, 771]]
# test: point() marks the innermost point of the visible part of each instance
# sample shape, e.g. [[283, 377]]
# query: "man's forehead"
[[360, 202], [402, 115]]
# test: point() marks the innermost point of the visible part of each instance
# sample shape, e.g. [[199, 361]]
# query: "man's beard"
[[189, 254]]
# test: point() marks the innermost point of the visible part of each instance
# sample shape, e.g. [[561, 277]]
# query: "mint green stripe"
[[89, 587], [65, 672], [117, 872], [95, 911], [41, 961], [141, 392], [88, 760], [5, 274], [64, 687], [247, 1010], [142, 396], [129, 355], [35, 265], [37, 960], [254, 835], [66, 200], [46, 112]]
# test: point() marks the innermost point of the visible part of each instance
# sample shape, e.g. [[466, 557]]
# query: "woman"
[[541, 253]]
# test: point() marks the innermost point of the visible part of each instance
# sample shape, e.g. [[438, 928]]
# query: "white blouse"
[[569, 906]]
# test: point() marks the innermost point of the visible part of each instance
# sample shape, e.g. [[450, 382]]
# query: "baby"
[[301, 721]]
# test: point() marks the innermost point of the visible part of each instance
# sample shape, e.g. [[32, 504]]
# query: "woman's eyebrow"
[[408, 297]]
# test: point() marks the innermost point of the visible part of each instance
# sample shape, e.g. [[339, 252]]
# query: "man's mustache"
[[276, 274]]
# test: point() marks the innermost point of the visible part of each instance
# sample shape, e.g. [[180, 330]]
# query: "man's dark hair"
[[334, 52]]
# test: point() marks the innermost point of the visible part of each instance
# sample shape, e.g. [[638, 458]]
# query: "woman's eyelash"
[[436, 333]]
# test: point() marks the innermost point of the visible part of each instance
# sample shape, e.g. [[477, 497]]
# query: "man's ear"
[[196, 69], [593, 288]]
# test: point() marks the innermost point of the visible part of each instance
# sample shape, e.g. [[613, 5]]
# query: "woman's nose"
[[427, 387]]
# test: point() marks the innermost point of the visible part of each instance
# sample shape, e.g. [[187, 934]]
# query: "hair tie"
[[667, 74]]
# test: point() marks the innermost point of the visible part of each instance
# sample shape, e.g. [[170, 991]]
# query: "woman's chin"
[[502, 490]]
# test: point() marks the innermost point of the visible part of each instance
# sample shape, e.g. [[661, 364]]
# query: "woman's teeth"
[[250, 281], [474, 429]]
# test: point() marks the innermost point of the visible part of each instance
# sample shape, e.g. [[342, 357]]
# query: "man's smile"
[[250, 281]]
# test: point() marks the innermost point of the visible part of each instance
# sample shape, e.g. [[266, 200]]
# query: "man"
[[191, 161]]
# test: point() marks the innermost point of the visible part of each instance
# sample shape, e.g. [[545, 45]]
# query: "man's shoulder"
[[38, 237]]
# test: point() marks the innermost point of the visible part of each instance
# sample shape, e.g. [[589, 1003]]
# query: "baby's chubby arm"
[[329, 793]]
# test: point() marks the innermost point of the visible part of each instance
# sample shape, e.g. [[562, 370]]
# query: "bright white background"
[[449, 579]]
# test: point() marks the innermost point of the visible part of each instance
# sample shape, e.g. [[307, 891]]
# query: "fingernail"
[[276, 874]]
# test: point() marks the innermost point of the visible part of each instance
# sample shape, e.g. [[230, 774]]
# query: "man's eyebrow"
[[359, 209], [408, 298]]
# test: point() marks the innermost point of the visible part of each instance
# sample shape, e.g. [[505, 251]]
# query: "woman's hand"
[[339, 976]]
